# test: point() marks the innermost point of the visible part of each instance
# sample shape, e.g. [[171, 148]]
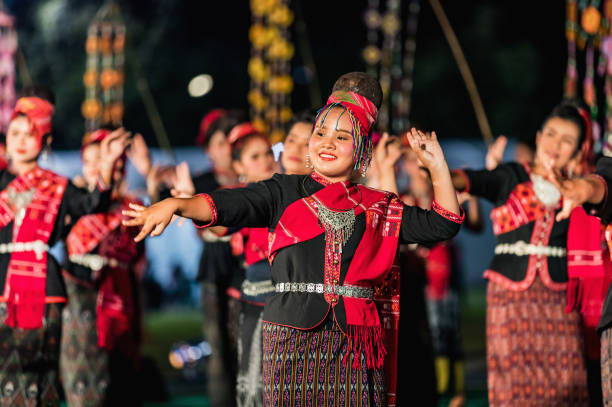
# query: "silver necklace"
[[546, 192], [338, 225]]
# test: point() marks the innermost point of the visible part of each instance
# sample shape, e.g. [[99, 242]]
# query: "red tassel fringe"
[[368, 338]]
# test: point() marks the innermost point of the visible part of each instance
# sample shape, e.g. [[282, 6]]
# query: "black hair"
[[569, 110], [304, 116], [224, 124], [238, 146], [40, 91], [362, 83]]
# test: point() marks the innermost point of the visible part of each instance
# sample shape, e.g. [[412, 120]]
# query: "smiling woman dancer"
[[331, 242]]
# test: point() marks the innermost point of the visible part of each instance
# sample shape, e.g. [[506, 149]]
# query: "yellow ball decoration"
[[261, 36], [258, 70], [280, 84], [280, 49], [371, 54], [90, 78], [91, 45], [276, 136], [281, 15], [261, 7], [260, 125], [91, 108], [390, 24], [257, 100], [286, 114]]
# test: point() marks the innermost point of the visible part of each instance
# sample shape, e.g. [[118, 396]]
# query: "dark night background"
[[516, 50]]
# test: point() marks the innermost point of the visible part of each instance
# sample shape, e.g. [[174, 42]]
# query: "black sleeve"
[[495, 185], [422, 226], [80, 201], [604, 209], [255, 205]]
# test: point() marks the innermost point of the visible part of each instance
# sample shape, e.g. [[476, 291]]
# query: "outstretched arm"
[[156, 218]]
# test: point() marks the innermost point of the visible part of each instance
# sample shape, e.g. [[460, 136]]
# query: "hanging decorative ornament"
[[269, 67], [400, 119], [372, 53], [8, 46], [591, 18], [104, 73], [571, 31], [391, 53]]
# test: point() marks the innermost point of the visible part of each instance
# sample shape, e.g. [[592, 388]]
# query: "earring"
[[308, 164], [45, 153]]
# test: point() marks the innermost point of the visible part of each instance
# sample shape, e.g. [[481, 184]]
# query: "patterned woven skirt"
[[248, 382], [606, 367], [28, 361], [535, 350], [305, 368], [92, 376]]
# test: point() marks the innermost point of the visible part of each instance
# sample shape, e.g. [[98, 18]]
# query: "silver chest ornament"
[[546, 192], [338, 225], [20, 201]]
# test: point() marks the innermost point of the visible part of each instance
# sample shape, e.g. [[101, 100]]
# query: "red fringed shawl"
[[25, 286], [115, 313], [585, 269], [370, 264]]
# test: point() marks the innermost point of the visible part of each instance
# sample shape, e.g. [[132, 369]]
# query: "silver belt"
[[344, 290], [95, 262], [254, 288], [210, 237], [522, 248], [37, 246]]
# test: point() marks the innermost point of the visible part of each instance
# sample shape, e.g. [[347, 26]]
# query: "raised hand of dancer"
[[495, 153], [183, 184], [111, 148], [386, 154], [429, 152], [139, 155], [577, 191], [156, 218]]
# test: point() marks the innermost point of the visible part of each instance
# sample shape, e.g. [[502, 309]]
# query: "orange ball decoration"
[[591, 18]]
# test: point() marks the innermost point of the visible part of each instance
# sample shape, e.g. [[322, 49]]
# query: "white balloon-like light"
[[200, 85]]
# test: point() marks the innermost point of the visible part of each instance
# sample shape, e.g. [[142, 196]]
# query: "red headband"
[[38, 111], [240, 131], [209, 119], [363, 109]]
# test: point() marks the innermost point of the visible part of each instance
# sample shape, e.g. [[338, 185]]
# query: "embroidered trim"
[[213, 212], [468, 185], [453, 217], [320, 179]]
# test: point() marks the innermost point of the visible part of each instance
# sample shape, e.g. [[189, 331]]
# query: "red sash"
[[25, 286], [586, 289], [115, 305], [370, 264]]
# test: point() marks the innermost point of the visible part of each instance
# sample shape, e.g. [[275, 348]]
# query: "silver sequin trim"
[[344, 290]]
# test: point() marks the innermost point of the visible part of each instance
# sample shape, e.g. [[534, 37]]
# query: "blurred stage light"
[[200, 85]]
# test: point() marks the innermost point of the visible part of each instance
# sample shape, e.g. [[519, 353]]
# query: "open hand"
[[495, 153], [387, 152], [575, 192], [426, 148], [138, 153], [113, 146], [153, 219]]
